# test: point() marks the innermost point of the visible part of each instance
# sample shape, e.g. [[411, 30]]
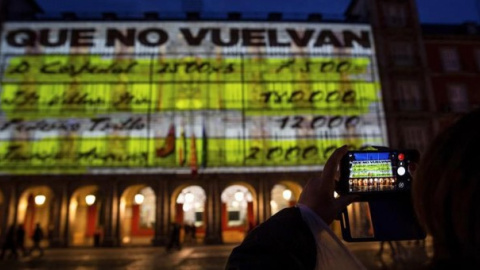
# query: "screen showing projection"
[[96, 97]]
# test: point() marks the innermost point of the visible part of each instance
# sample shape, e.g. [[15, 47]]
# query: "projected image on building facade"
[[102, 97]]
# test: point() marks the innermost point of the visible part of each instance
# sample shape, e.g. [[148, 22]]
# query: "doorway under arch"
[[237, 213], [137, 215], [283, 195], [35, 207], [84, 223], [190, 213]]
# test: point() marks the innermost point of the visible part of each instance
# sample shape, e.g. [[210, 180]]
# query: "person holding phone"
[[445, 195], [300, 237]]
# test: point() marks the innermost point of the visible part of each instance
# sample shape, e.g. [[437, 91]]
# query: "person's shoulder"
[[284, 240]]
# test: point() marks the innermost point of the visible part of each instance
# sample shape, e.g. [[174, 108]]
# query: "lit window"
[[450, 59], [457, 96], [408, 95]]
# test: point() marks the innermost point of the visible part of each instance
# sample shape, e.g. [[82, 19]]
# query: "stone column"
[[11, 207], [110, 206], [60, 216], [161, 214], [213, 233], [263, 201]]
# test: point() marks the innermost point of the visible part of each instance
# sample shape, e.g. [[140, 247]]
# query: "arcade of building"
[[120, 210]]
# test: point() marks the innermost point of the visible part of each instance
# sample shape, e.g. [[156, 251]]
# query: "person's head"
[[446, 190]]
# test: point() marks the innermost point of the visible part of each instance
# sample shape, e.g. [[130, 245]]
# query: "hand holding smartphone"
[[382, 181], [375, 172]]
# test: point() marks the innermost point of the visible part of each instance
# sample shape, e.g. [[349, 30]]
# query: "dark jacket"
[[37, 235], [284, 241]]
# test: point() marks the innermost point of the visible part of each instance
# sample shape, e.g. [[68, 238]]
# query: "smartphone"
[[376, 172], [382, 180]]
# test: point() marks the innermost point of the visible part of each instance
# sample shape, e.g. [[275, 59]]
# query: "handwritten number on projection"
[[296, 152], [319, 121]]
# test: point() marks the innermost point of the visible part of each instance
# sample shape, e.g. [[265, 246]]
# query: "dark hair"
[[446, 191]]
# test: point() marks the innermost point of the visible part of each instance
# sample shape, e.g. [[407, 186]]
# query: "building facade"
[[403, 69], [113, 130], [453, 59]]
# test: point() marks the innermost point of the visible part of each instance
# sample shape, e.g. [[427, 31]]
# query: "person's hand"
[[318, 192]]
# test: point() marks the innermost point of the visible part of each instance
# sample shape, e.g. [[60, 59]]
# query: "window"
[[198, 218], [402, 53], [408, 95], [450, 59], [395, 15], [477, 58], [233, 216], [457, 96], [415, 136]]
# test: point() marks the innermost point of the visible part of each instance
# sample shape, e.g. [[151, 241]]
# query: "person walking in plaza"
[[187, 233], [193, 232], [174, 241], [9, 244], [20, 239], [37, 239]]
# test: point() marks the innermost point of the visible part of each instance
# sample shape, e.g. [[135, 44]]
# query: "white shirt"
[[331, 252]]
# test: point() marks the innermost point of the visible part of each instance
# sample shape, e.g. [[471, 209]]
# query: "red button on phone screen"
[[401, 156]]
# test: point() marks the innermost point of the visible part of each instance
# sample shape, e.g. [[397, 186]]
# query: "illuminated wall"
[[97, 97]]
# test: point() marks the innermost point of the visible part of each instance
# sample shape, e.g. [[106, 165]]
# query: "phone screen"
[[376, 172]]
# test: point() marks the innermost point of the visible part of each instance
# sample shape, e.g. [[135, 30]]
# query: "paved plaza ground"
[[198, 257]]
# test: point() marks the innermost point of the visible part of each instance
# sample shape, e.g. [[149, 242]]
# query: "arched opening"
[[84, 222], [190, 213], [137, 215], [35, 207], [237, 213], [284, 194]]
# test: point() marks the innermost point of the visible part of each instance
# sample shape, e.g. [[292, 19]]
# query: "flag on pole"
[[182, 151], [169, 145], [193, 155]]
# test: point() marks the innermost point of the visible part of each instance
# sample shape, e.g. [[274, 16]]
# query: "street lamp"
[[287, 194], [40, 199], [139, 198], [90, 199]]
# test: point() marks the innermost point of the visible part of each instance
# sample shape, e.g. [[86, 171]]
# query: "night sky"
[[431, 11]]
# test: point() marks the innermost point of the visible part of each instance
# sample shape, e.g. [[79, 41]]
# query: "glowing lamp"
[[287, 194], [40, 199], [139, 198], [90, 199]]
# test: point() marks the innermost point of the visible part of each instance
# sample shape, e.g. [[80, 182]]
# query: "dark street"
[[190, 257]]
